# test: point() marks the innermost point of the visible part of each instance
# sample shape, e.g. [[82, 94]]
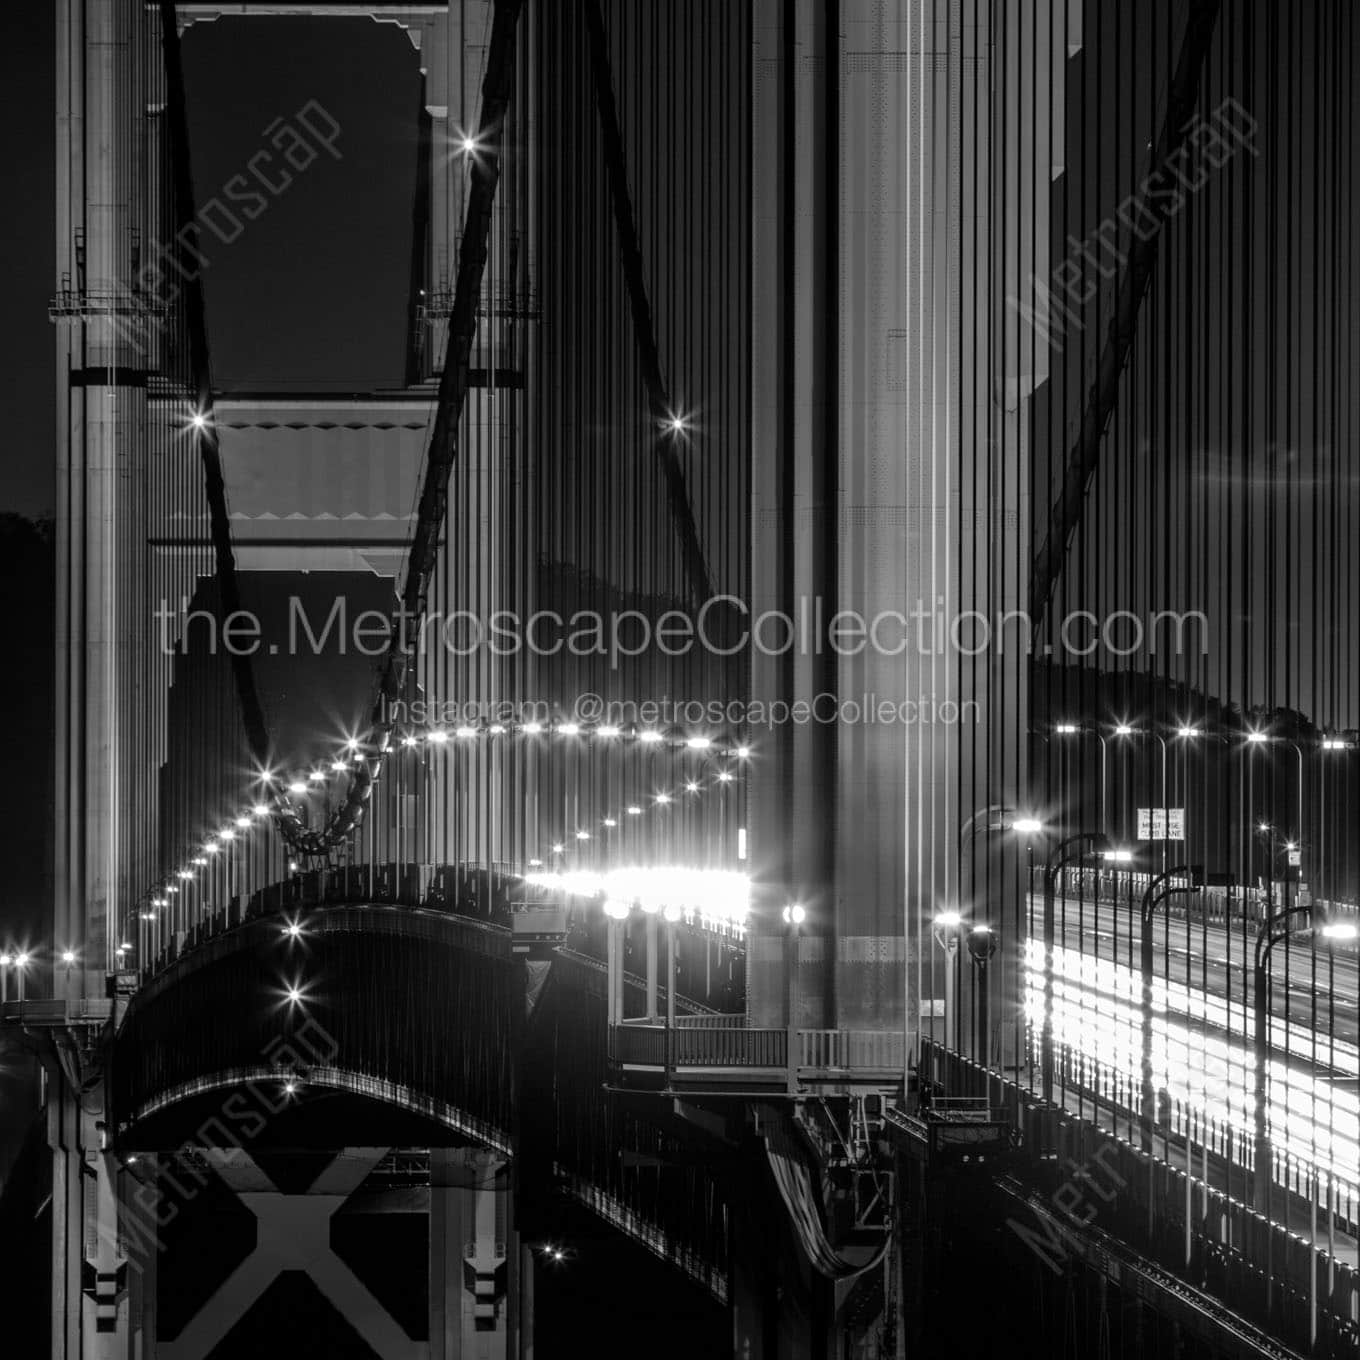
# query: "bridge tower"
[[891, 481], [132, 531]]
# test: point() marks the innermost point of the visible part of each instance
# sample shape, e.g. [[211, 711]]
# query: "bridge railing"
[[832, 1049], [1201, 1233], [1215, 905], [713, 1021], [701, 1046], [709, 967], [1118, 1095]]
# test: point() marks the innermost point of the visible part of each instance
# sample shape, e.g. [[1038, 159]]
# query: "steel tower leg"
[[90, 1308]]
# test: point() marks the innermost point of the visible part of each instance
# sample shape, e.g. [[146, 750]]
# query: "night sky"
[[27, 86]]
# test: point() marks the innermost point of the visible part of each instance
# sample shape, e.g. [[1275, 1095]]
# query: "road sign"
[[1295, 858], [1161, 824]]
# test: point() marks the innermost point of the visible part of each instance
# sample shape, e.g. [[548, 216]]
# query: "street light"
[[1273, 842], [1006, 819], [1063, 854], [1274, 930], [19, 962], [615, 935], [1125, 730], [794, 916], [946, 935], [1071, 729], [1162, 887], [981, 947], [1330, 745]]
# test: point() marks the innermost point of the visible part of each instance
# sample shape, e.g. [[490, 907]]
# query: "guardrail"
[[1260, 1269], [713, 1021], [48, 1011], [1119, 1094], [727, 1046], [1214, 904]]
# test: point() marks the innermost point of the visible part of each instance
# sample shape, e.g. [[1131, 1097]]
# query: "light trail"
[[1097, 1013]]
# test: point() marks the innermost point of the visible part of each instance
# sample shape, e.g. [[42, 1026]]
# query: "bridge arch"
[[406, 1007]]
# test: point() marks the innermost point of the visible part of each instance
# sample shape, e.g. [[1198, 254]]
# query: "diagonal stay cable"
[[453, 387], [1082, 461], [423, 555], [200, 376], [677, 495]]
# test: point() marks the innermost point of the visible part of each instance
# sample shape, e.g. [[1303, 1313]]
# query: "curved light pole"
[[981, 947], [1158, 891], [946, 934], [21, 961], [1330, 746], [671, 913], [968, 833], [1124, 731], [1274, 930], [616, 914], [1272, 843], [1007, 819], [1070, 729], [1256, 737], [1298, 751], [794, 914], [1064, 853]]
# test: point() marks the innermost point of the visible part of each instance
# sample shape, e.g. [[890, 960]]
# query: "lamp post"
[[946, 935], [1298, 751], [981, 947], [1069, 729], [968, 833], [794, 915], [1330, 745], [1006, 819], [1158, 891], [1274, 930], [1124, 731], [21, 962], [672, 915], [1063, 854], [616, 914], [651, 959], [1273, 843]]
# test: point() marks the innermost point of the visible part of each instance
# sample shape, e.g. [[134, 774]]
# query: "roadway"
[[1202, 1045], [1323, 992]]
